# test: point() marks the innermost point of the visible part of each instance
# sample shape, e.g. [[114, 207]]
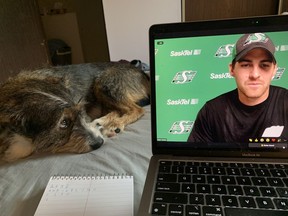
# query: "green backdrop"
[[191, 71]]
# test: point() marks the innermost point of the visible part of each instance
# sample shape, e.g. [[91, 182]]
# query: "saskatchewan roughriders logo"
[[224, 51], [181, 127], [257, 37], [279, 73], [184, 77]]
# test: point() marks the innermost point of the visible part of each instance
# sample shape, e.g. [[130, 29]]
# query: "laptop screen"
[[190, 66]]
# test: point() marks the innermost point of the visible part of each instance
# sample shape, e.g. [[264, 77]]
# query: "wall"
[[92, 29], [128, 22], [22, 41], [65, 27], [91, 25], [283, 6]]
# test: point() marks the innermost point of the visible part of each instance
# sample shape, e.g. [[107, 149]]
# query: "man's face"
[[253, 74]]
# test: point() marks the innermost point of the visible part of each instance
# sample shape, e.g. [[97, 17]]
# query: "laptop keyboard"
[[220, 189]]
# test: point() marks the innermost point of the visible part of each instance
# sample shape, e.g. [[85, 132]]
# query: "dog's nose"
[[98, 142]]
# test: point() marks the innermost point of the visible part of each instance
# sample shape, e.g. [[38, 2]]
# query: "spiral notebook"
[[87, 195]]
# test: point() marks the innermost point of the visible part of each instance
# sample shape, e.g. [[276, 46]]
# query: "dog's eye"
[[64, 123]]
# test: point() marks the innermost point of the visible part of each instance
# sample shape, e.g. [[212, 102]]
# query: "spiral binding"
[[91, 177]]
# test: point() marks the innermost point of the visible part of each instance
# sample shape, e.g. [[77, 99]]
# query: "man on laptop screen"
[[256, 109]]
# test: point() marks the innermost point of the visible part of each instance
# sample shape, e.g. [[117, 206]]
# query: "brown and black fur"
[[68, 108]]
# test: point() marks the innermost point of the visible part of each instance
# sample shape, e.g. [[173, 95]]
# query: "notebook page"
[[104, 195]]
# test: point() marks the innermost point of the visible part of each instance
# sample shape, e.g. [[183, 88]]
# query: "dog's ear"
[[32, 125]]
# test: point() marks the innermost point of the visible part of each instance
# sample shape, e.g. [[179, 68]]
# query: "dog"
[[71, 108]]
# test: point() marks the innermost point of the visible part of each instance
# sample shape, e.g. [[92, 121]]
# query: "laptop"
[[189, 66]]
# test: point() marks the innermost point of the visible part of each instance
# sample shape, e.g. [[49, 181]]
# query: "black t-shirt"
[[226, 119]]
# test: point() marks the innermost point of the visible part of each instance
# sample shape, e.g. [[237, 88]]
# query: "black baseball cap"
[[251, 41]]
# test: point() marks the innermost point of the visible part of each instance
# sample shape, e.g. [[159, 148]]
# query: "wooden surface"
[[222, 9], [22, 44]]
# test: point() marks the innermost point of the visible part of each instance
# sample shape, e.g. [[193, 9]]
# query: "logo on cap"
[[251, 41], [256, 37]]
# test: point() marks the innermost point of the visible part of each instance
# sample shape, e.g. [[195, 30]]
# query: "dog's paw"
[[19, 147], [108, 129]]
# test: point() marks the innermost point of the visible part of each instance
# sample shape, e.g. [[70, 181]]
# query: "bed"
[[23, 182]]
